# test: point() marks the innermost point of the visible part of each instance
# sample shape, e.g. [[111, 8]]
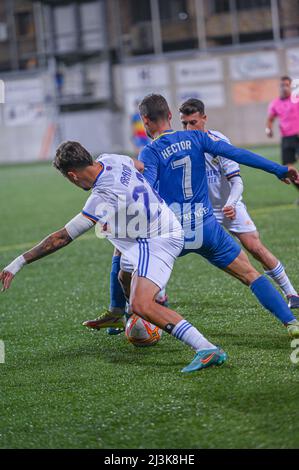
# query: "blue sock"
[[271, 299], [117, 297]]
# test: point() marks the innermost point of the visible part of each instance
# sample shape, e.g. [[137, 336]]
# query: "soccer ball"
[[141, 332]]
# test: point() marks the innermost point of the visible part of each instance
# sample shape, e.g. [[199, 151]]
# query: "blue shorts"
[[218, 247]]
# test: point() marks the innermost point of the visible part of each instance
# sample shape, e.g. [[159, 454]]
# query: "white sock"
[[187, 333], [279, 275]]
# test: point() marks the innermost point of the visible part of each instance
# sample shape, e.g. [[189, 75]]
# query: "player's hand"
[[291, 176], [6, 279], [269, 132], [229, 212], [139, 166]]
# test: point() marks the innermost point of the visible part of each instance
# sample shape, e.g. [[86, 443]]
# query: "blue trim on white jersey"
[[96, 180], [92, 217], [232, 174]]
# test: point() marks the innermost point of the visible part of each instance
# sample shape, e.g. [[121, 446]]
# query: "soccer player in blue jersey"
[[174, 164], [225, 191]]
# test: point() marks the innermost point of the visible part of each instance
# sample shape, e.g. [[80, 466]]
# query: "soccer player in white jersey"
[[138, 223], [225, 191]]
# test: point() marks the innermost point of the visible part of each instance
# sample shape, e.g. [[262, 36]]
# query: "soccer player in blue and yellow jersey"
[[225, 191], [174, 164]]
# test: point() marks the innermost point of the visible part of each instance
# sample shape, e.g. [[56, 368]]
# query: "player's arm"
[[231, 171], [236, 192], [150, 163], [245, 157], [139, 166], [269, 126], [272, 114], [52, 243]]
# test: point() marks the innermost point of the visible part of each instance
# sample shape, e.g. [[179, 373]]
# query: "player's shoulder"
[[168, 138], [196, 136], [110, 162], [274, 104], [114, 159], [218, 135], [149, 150], [276, 100]]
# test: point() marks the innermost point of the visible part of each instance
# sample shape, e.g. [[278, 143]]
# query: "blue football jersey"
[[174, 164]]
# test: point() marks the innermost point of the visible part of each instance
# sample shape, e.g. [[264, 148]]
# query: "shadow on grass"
[[262, 341], [120, 354]]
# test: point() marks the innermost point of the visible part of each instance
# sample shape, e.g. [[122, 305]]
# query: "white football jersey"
[[219, 172], [126, 206]]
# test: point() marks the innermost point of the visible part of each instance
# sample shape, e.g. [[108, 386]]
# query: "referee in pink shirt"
[[287, 112]]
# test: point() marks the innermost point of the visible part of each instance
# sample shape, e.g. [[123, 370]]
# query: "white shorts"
[[152, 258], [243, 223], [125, 264]]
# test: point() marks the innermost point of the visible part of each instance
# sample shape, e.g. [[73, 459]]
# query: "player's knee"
[[250, 241], [245, 270], [250, 274], [136, 304], [141, 306], [257, 249]]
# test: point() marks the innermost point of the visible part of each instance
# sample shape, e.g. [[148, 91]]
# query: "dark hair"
[[285, 78], [71, 155], [192, 106], [155, 107]]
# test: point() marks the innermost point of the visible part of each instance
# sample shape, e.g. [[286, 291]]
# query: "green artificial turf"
[[65, 387]]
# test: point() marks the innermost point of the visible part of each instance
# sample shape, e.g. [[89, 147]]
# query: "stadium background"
[[73, 70]]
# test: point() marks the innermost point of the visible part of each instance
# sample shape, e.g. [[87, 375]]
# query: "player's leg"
[[245, 230], [156, 257], [224, 252], [112, 318], [143, 303], [125, 277], [289, 151], [265, 292], [272, 266], [117, 298]]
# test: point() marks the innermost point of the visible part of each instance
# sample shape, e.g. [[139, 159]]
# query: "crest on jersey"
[[215, 161]]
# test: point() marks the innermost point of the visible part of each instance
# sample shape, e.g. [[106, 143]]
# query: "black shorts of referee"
[[290, 149]]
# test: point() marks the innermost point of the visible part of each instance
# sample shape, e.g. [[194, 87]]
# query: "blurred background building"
[[75, 69]]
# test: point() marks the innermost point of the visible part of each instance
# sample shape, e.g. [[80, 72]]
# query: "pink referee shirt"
[[288, 115]]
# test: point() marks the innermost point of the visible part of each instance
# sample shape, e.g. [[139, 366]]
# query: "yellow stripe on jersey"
[[164, 133]]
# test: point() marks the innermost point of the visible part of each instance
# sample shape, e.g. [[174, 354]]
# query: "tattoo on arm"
[[49, 245]]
